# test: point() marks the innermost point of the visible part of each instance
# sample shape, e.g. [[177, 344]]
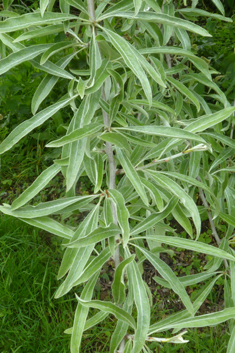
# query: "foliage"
[[146, 129]]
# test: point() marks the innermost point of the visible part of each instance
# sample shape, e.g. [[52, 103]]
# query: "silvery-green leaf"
[[46, 208], [110, 308], [55, 48], [122, 214], [47, 84], [42, 180], [167, 273], [185, 91], [76, 135], [191, 245], [163, 19], [51, 226], [95, 265], [153, 219], [206, 121], [200, 12], [219, 6], [33, 19], [163, 131], [21, 56], [132, 175], [116, 139], [174, 188], [118, 286], [129, 56], [143, 308], [96, 236], [28, 125], [81, 316]]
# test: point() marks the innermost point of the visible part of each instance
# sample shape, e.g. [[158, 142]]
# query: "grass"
[[32, 321]]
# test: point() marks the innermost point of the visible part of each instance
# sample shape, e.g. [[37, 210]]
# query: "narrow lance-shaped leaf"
[[51, 226], [190, 245], [153, 219], [47, 84], [206, 121], [33, 19], [208, 319], [175, 318], [55, 49], [45, 208], [143, 308], [111, 308], [167, 273], [76, 135], [81, 316], [132, 175], [43, 6], [163, 131], [27, 126], [122, 214], [94, 320], [94, 266], [21, 56], [118, 286], [95, 236], [163, 19], [185, 91], [41, 181], [129, 56], [173, 187]]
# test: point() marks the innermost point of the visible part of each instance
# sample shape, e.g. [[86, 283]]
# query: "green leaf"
[[116, 139], [174, 188], [153, 219], [120, 6], [118, 286], [78, 4], [51, 226], [122, 214], [48, 83], [190, 245], [41, 181], [128, 54], [228, 218], [132, 175], [55, 49], [95, 236], [37, 33], [28, 125], [45, 208], [162, 131], [81, 316], [155, 104], [166, 272], [110, 308], [185, 91], [21, 56], [208, 319], [222, 138], [175, 318], [219, 6], [143, 308], [33, 19], [43, 6], [137, 4], [94, 266], [199, 12], [76, 135], [206, 121], [231, 342], [161, 18]]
